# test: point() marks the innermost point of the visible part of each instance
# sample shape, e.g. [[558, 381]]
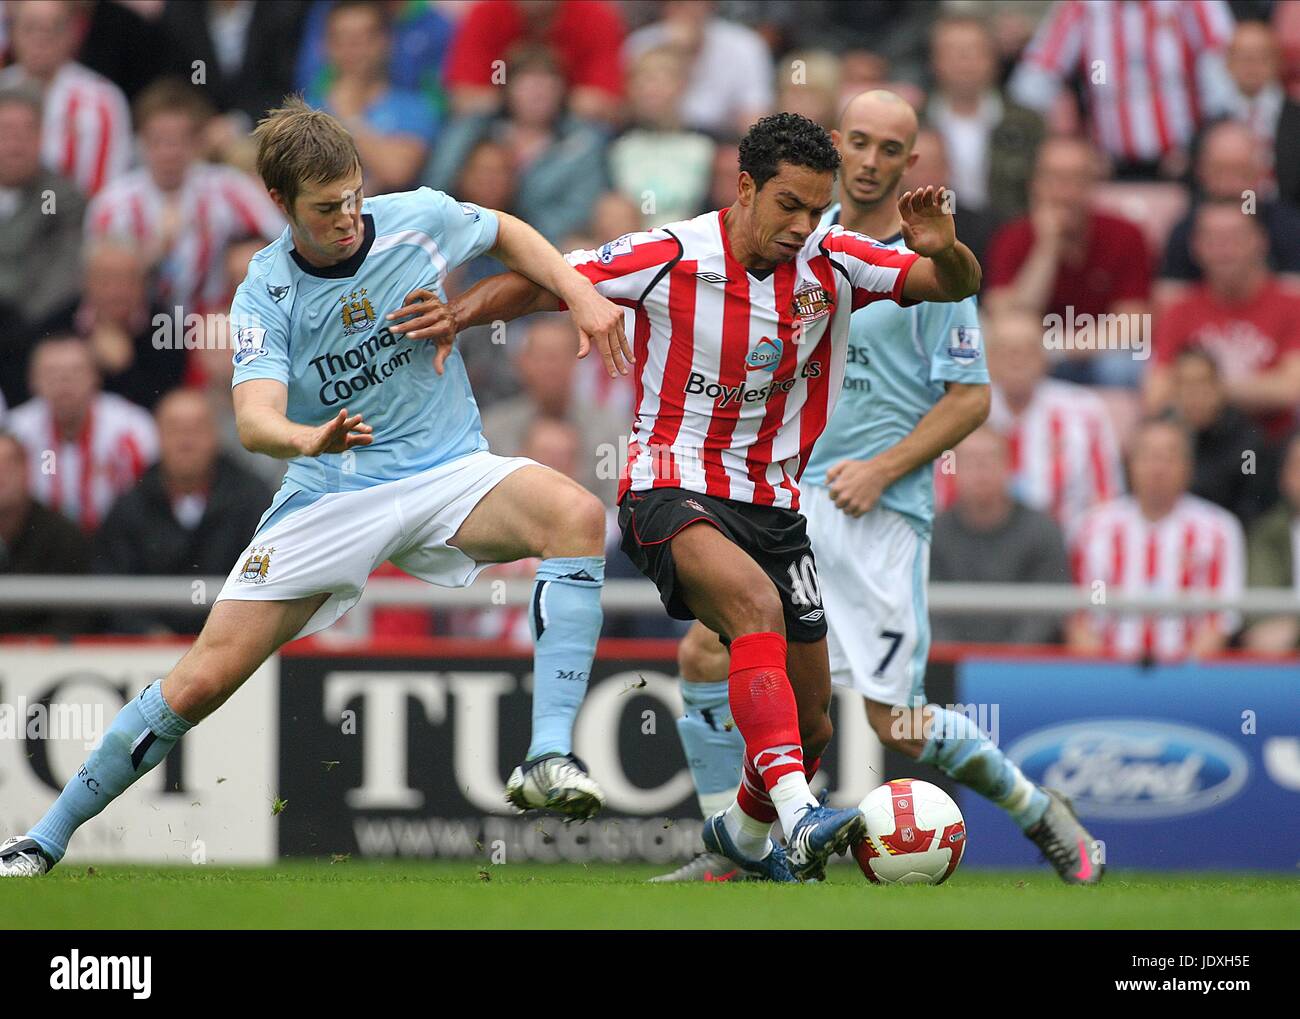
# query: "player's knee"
[[196, 691], [580, 529], [701, 658], [204, 679], [756, 609]]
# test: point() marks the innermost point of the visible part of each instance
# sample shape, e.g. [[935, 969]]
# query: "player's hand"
[[601, 322], [430, 319], [856, 485], [343, 433], [927, 228]]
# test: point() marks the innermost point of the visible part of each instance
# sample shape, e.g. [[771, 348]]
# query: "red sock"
[[752, 795], [763, 707], [810, 767]]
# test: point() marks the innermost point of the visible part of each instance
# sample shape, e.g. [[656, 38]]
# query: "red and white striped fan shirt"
[[1197, 547], [1064, 455], [216, 204], [80, 477], [1152, 68], [85, 127], [736, 372]]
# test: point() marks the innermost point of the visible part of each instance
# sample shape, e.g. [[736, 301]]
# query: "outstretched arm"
[[501, 298], [530, 254], [541, 281]]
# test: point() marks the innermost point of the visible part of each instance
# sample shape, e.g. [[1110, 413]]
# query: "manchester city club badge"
[[257, 565]]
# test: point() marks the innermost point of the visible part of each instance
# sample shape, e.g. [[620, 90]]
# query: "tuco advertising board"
[[1181, 766], [407, 757]]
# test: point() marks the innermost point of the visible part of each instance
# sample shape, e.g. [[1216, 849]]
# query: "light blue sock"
[[961, 751], [565, 620], [715, 750], [140, 736]]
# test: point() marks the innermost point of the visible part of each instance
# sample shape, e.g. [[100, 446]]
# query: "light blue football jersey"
[[323, 333], [898, 361]]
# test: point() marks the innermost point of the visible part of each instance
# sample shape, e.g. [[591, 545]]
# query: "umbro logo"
[[277, 293], [580, 575], [711, 277], [694, 505], [812, 617]]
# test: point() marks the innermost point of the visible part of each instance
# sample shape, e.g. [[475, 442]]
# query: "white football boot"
[[22, 857], [708, 867], [1066, 843], [556, 782]]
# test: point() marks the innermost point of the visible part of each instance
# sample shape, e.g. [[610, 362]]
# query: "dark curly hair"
[[786, 138]]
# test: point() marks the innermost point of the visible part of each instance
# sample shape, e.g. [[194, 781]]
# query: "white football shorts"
[[873, 570], [334, 543]]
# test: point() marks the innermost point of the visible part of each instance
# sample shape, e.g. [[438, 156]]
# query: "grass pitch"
[[355, 894]]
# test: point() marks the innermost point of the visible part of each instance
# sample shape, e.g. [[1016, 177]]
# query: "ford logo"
[[1133, 769]]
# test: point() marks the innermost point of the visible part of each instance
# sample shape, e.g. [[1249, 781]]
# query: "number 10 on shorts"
[[805, 591]]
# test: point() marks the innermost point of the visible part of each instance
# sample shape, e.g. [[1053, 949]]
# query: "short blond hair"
[[299, 145]]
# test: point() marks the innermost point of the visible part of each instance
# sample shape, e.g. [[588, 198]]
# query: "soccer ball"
[[915, 834]]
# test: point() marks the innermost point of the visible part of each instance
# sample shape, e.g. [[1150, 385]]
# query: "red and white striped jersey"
[[215, 205], [80, 477], [1152, 68], [1197, 547], [736, 371], [1064, 455], [85, 127]]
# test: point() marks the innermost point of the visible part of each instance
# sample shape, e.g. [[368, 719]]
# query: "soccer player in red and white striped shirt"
[[1152, 69], [1159, 540], [86, 125], [180, 210], [741, 333]]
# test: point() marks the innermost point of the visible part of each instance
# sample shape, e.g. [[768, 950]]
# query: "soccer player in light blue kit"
[[915, 385], [330, 326]]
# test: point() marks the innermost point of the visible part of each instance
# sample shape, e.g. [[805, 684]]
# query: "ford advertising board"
[[1169, 766]]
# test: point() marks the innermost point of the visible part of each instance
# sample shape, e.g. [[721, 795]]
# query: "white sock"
[[790, 795], [749, 834]]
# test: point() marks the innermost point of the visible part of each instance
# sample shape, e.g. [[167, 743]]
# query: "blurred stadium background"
[[1136, 158]]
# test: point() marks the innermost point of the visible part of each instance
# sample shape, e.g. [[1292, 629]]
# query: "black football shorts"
[[775, 538]]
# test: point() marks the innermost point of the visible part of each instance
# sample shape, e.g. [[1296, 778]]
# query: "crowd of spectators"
[[1128, 173]]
